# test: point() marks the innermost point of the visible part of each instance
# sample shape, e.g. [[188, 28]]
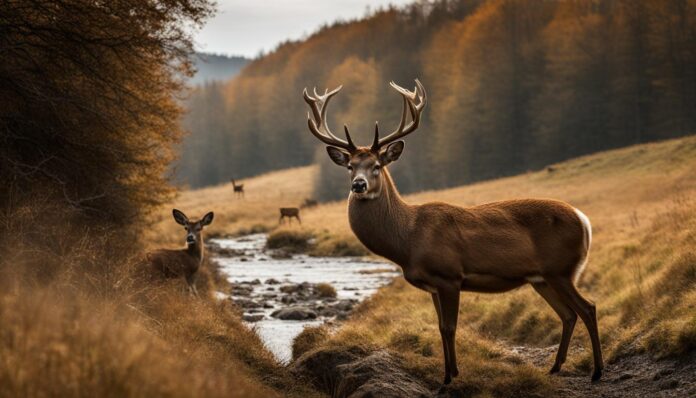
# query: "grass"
[[75, 322], [80, 318], [641, 274], [325, 290], [291, 241]]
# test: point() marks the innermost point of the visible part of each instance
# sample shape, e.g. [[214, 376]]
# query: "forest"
[[513, 85]]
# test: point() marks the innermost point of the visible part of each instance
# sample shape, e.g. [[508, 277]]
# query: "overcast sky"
[[247, 27]]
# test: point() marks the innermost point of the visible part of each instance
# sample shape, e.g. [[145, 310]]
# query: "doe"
[[289, 212], [183, 262]]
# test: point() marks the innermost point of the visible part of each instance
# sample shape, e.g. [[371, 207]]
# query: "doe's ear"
[[207, 219], [339, 156], [179, 217], [392, 153]]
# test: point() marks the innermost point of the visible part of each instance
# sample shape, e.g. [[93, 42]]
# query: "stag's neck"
[[195, 250], [383, 224]]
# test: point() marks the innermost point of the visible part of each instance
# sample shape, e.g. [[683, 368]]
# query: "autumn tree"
[[88, 101]]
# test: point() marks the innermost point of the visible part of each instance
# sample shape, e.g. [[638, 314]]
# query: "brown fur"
[[495, 247], [183, 262], [289, 212]]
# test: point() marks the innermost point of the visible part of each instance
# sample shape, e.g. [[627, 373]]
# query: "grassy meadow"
[[641, 273]]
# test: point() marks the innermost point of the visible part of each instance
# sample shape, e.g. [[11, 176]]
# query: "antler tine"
[[318, 125], [410, 105]]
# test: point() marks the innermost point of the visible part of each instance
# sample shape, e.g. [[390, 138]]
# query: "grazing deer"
[[444, 249], [238, 189], [289, 212], [308, 203], [183, 262]]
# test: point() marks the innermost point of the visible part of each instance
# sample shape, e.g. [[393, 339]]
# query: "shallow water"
[[353, 278]]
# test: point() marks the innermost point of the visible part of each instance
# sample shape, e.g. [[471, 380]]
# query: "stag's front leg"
[[449, 306], [441, 326]]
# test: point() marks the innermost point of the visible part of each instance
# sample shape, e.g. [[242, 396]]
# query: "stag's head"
[[193, 228], [365, 164]]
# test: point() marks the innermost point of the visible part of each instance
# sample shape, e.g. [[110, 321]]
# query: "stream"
[[270, 285]]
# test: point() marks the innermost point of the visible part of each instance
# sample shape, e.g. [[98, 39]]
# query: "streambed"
[[270, 285]]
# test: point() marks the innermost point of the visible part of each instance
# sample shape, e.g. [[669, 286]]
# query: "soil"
[[632, 376], [357, 372]]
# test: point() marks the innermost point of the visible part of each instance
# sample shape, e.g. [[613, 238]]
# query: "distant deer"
[[444, 249], [238, 189], [289, 212], [183, 262], [308, 203]]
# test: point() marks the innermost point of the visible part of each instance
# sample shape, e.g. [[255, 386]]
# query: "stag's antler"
[[410, 105], [317, 124]]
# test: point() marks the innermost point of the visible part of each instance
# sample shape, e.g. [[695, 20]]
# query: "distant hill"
[[217, 67]]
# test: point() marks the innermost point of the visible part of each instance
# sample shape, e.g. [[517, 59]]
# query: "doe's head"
[[193, 228], [365, 164]]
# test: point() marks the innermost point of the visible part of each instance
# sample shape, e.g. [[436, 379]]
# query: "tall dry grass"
[[80, 316]]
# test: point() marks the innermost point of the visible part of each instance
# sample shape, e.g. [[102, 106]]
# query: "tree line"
[[514, 85]]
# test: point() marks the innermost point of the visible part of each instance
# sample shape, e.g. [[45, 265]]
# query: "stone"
[[294, 314]]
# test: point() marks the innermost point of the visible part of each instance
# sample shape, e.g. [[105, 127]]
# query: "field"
[[76, 324], [641, 274]]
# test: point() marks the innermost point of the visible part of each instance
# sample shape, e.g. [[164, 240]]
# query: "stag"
[[445, 249], [183, 262], [290, 213], [238, 189]]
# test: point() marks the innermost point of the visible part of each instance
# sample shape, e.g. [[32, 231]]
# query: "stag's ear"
[[179, 217], [338, 156], [392, 153], [207, 219]]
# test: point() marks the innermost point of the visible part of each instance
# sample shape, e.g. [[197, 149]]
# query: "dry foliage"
[[641, 201]]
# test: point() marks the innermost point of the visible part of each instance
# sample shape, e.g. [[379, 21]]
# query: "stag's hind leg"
[[565, 289], [568, 317]]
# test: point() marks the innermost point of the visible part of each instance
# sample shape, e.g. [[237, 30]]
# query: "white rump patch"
[[587, 227]]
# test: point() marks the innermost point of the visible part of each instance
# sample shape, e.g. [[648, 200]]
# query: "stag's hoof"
[[555, 369], [596, 375], [448, 379]]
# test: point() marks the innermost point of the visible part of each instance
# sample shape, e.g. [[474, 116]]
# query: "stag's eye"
[[350, 168]]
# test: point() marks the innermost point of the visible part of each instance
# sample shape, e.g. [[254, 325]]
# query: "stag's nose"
[[190, 239], [359, 185]]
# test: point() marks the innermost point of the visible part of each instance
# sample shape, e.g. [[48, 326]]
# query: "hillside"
[[642, 274]]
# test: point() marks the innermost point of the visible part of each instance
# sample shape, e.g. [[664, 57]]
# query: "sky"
[[249, 27]]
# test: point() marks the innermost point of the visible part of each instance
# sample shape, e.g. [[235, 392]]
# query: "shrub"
[[290, 240], [325, 290], [309, 339]]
